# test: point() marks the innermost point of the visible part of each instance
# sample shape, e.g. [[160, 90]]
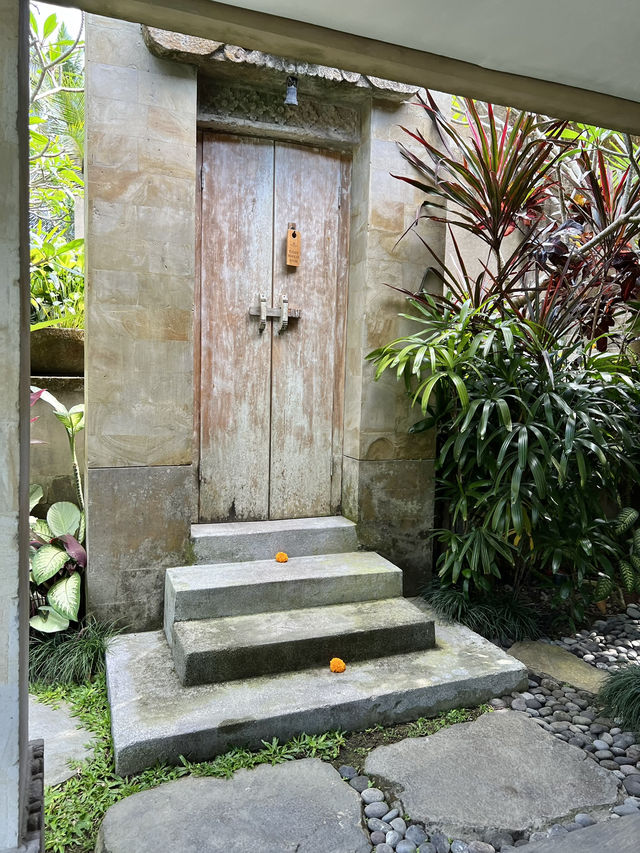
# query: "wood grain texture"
[[307, 192], [271, 404], [237, 189]]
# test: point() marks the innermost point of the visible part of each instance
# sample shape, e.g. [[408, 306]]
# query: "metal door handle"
[[263, 313], [284, 314]]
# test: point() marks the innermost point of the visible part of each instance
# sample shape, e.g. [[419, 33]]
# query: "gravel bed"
[[567, 714], [610, 644]]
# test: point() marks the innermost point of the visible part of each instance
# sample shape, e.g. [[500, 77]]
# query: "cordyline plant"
[[524, 368]]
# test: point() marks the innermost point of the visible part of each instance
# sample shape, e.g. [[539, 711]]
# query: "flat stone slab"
[[64, 739], [500, 772], [546, 659], [302, 806], [611, 836], [157, 719]]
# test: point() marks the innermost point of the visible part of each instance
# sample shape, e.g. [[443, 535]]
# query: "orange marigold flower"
[[281, 557], [337, 665]]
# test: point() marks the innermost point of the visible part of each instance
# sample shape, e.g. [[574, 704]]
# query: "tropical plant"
[[57, 554], [537, 422], [56, 167], [620, 696]]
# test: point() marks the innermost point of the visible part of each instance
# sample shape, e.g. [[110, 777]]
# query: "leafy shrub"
[[537, 421], [620, 696]]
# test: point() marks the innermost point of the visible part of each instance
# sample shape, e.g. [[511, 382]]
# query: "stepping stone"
[[499, 773], [611, 836], [301, 806], [545, 659], [64, 739]]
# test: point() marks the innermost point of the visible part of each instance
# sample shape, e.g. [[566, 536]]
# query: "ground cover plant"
[[526, 368], [74, 809]]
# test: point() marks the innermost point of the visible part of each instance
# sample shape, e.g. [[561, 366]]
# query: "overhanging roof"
[[574, 58]]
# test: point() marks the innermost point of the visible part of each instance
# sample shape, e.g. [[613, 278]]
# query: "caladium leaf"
[[64, 596], [48, 620], [63, 517], [47, 562]]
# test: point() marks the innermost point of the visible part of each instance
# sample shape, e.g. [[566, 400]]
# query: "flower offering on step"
[[281, 557], [337, 665]]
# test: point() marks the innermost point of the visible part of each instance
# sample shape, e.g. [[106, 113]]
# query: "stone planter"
[[57, 352]]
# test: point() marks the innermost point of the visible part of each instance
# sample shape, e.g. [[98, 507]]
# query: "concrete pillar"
[[388, 480], [14, 420], [140, 211]]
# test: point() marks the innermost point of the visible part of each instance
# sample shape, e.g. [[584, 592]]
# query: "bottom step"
[[156, 719]]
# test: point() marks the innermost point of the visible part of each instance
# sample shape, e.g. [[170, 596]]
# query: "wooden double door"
[[271, 397]]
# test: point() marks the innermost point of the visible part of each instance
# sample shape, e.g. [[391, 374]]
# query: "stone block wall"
[[388, 473], [140, 230]]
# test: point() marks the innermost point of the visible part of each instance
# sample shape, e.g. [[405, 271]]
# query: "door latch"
[[283, 313]]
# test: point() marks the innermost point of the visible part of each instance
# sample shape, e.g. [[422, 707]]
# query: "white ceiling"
[[591, 44]]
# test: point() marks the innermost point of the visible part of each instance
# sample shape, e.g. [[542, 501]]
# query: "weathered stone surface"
[[264, 586], [233, 542], [131, 546], [210, 55], [546, 659], [302, 806], [500, 772], [156, 719], [64, 739], [57, 352], [207, 651], [612, 836]]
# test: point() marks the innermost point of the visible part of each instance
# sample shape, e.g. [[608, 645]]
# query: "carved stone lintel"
[[262, 113], [255, 67]]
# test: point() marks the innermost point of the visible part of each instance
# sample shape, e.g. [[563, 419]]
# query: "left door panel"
[[235, 376]]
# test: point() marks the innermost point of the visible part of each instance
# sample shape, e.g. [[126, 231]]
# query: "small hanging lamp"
[[292, 92]]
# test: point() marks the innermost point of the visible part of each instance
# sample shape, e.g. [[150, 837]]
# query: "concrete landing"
[[298, 807], [157, 719], [500, 773], [64, 739]]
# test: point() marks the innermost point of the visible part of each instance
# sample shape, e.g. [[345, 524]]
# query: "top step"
[[240, 541]]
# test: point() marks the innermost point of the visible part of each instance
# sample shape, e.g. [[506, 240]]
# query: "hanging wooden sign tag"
[[293, 246]]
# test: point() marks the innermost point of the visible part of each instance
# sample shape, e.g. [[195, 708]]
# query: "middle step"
[[208, 651]]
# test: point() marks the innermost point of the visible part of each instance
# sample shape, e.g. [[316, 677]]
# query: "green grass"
[[620, 697], [74, 810]]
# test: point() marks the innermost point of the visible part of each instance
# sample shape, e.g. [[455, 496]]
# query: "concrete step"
[[156, 719], [264, 586], [239, 541], [209, 651]]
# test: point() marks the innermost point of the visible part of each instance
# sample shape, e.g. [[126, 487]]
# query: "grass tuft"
[[69, 657], [620, 697], [502, 618]]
